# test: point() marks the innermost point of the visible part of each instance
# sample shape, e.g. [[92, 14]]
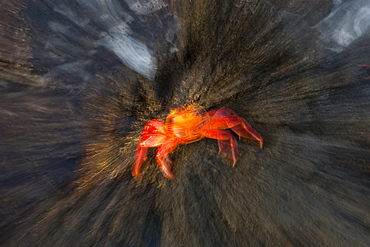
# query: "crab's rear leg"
[[241, 127], [227, 143], [226, 118]]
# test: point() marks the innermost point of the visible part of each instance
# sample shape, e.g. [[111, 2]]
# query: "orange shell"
[[187, 122]]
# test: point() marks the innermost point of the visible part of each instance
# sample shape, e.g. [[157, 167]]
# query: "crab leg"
[[241, 127], [141, 154], [162, 157], [147, 140], [226, 118], [226, 143]]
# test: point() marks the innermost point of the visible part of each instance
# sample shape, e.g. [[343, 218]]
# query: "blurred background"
[[79, 80]]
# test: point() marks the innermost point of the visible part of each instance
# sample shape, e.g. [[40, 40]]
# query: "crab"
[[191, 123]]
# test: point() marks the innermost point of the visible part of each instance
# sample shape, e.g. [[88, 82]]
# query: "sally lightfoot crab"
[[188, 124]]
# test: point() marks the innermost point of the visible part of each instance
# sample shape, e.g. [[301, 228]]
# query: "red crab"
[[188, 124]]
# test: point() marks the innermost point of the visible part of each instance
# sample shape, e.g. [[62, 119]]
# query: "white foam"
[[130, 51], [144, 7], [347, 22]]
